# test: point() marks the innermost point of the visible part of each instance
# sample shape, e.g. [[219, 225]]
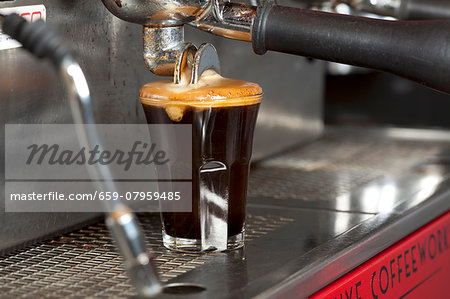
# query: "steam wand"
[[43, 43]]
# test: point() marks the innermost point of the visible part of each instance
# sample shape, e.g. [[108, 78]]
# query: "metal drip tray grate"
[[85, 263], [337, 164]]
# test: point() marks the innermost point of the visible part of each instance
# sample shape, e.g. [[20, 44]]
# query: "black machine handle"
[[424, 9], [417, 50]]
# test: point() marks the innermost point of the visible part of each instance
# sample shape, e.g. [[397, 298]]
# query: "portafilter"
[[417, 50]]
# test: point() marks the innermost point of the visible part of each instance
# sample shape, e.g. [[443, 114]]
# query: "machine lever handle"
[[416, 50]]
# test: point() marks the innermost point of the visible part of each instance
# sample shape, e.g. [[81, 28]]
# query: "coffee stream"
[[223, 115]]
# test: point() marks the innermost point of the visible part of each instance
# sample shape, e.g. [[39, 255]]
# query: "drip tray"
[[314, 213], [86, 263]]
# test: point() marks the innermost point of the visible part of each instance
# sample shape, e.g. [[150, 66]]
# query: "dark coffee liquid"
[[220, 135]]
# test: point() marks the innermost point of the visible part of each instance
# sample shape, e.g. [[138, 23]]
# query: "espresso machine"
[[329, 207]]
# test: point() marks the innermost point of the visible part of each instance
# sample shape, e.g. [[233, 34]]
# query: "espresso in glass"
[[223, 114]]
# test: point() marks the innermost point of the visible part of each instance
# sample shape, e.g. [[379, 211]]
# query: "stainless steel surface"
[[322, 174], [344, 253], [440, 136], [85, 263], [294, 246], [153, 12], [109, 53], [380, 7], [227, 19], [367, 8], [162, 47]]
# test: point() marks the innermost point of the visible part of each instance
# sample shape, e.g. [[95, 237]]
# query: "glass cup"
[[223, 114]]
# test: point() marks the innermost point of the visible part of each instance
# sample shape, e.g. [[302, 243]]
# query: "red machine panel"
[[416, 267]]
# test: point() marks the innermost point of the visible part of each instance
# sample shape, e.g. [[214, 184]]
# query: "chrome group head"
[[163, 22]]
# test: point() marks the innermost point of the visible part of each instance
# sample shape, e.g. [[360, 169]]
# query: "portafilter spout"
[[163, 22], [163, 27]]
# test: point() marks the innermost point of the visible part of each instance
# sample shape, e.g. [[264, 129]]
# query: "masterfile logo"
[[141, 153], [47, 169]]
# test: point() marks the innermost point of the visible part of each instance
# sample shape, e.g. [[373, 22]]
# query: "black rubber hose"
[[424, 9], [417, 50], [37, 38]]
